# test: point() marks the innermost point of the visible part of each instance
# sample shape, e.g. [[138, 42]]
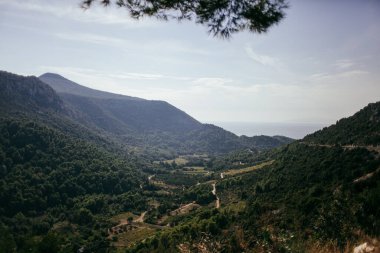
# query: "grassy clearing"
[[235, 207], [123, 217], [184, 159], [163, 185], [179, 160], [154, 203], [125, 240], [247, 169]]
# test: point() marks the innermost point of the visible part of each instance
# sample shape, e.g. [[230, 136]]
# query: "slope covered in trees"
[[27, 93], [363, 128], [48, 177]]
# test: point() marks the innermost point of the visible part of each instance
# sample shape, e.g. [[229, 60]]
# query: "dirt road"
[[217, 204]]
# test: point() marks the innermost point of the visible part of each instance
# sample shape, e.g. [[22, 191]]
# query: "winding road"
[[370, 148], [217, 204], [141, 217]]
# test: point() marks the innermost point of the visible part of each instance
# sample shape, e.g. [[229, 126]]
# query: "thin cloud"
[[91, 74], [337, 76], [344, 63], [91, 38], [211, 81], [353, 73], [137, 76], [262, 59], [72, 10], [152, 46]]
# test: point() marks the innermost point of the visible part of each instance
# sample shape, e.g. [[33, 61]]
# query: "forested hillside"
[[49, 178], [18, 93], [72, 179], [363, 128]]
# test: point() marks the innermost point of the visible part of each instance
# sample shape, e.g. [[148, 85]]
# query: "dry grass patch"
[[194, 170], [247, 169], [123, 217]]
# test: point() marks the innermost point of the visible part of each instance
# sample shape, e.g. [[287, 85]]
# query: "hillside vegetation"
[[309, 196], [49, 178]]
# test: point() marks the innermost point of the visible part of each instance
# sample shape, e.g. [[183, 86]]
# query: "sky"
[[321, 63]]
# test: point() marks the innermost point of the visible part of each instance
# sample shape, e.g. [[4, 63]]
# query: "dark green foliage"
[[200, 225], [49, 244], [39, 163], [7, 242], [27, 93], [201, 194], [223, 18], [49, 177], [313, 189]]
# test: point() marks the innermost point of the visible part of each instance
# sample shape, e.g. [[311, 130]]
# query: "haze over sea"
[[293, 130]]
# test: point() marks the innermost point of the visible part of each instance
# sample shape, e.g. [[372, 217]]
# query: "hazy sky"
[[318, 65]]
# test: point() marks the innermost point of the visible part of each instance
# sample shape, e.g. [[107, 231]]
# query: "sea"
[[292, 130]]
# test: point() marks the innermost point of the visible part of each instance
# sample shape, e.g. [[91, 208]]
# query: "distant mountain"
[[28, 98], [120, 114], [169, 126], [132, 122]]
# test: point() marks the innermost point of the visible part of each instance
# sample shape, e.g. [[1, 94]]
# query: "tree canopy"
[[222, 17]]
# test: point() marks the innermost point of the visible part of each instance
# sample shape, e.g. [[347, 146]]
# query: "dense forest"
[[48, 177]]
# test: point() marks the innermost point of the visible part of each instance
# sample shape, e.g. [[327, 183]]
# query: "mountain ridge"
[[136, 123], [184, 127], [127, 113], [63, 85], [28, 93]]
